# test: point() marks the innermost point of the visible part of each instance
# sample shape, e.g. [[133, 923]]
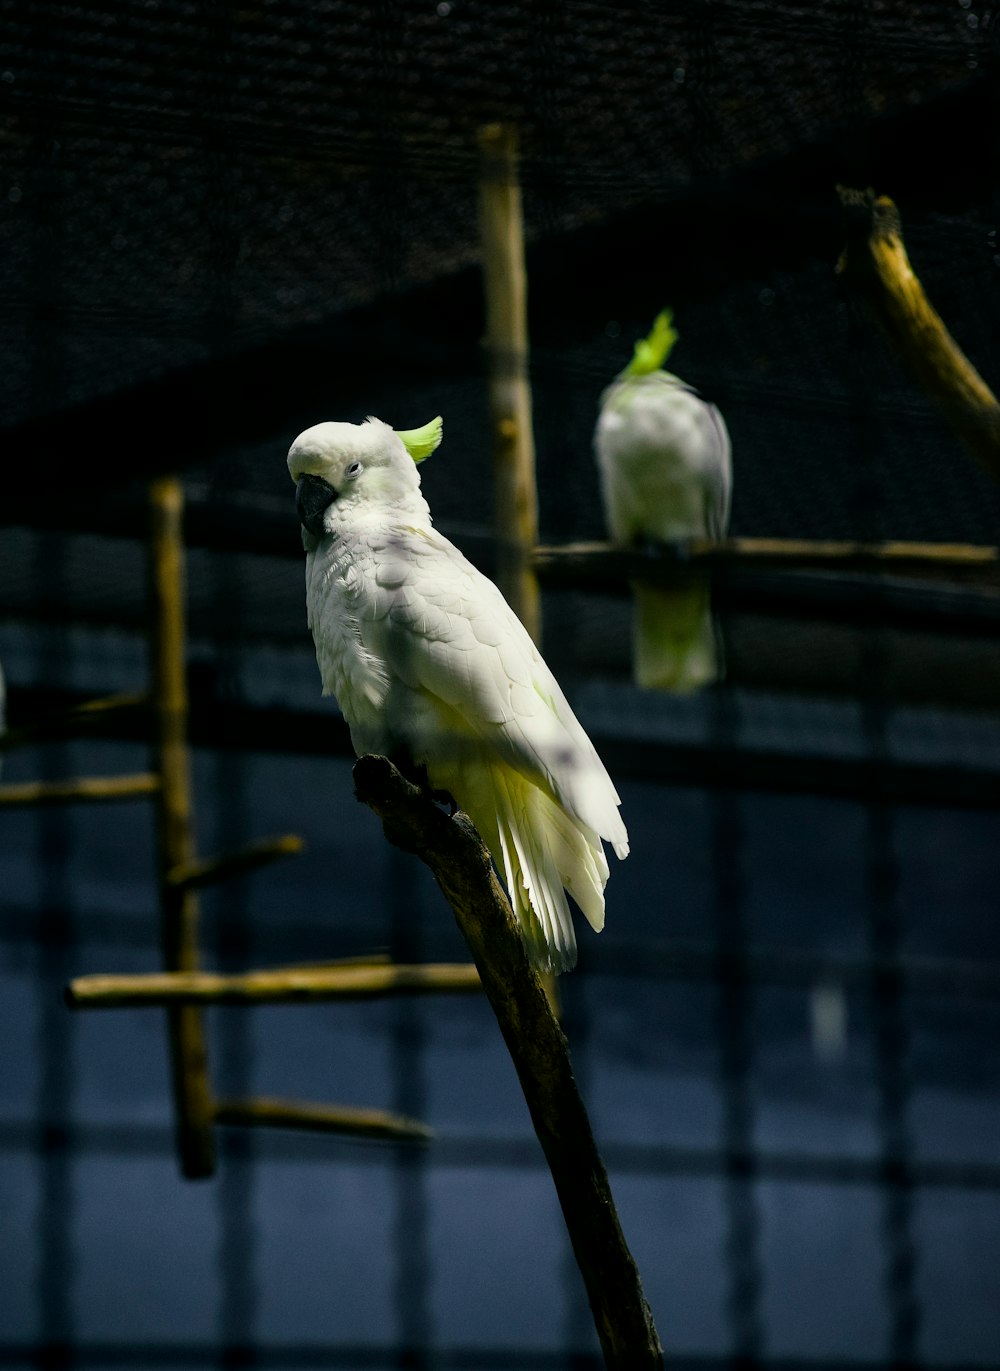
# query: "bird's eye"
[[355, 469]]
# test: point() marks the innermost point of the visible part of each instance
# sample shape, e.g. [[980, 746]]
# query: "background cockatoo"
[[429, 664], [664, 460]]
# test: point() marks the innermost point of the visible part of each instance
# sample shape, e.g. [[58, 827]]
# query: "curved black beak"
[[313, 495]]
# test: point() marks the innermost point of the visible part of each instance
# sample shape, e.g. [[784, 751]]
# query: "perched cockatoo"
[[664, 460], [429, 664]]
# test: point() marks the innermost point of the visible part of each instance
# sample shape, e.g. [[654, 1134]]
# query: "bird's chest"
[[339, 582]]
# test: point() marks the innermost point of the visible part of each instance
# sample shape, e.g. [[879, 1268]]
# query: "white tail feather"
[[674, 640], [534, 882], [543, 852], [540, 849]]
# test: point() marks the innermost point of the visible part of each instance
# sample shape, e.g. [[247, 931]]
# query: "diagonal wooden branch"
[[193, 875], [461, 864], [875, 261]]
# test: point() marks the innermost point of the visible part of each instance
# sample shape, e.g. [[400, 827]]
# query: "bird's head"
[[357, 464]]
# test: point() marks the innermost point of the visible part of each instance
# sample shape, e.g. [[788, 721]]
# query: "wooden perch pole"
[[322, 1118], [91, 789], [178, 904], [876, 262], [605, 564], [72, 720], [461, 864], [506, 286], [283, 985], [248, 858]]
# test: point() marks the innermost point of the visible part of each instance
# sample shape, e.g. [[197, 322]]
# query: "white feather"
[[666, 474], [424, 654]]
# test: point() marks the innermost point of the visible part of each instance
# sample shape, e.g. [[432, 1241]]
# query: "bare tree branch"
[[875, 260], [461, 864]]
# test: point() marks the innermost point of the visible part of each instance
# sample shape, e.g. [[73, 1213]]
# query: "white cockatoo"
[[429, 664], [664, 460]]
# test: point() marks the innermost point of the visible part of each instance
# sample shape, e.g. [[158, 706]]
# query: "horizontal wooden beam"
[[194, 875], [940, 589], [670, 562], [284, 985], [69, 721], [358, 1123], [679, 762], [87, 788]]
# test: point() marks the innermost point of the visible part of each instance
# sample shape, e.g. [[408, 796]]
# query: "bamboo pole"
[[875, 260], [178, 904], [515, 488], [319, 1118], [461, 864], [506, 288], [251, 857], [83, 788], [282, 985]]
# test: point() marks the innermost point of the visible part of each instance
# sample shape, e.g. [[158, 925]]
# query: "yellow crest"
[[421, 442]]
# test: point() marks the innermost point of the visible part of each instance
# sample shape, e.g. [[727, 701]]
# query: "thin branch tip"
[[875, 260]]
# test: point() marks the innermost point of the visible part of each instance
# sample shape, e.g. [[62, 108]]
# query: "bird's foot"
[[445, 797], [416, 774]]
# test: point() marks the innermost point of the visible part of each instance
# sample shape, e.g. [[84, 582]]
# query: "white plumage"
[[664, 460], [427, 660]]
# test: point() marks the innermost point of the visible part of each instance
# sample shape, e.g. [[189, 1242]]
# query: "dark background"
[[221, 224]]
